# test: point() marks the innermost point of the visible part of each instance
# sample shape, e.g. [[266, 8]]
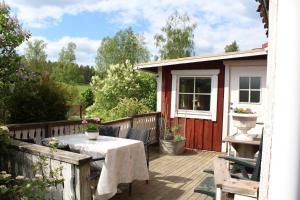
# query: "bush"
[[87, 98], [37, 101], [125, 108], [123, 86]]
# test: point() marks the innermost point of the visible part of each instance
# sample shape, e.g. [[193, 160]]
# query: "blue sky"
[[58, 22]]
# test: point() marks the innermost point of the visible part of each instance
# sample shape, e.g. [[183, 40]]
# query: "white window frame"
[[197, 114], [249, 90]]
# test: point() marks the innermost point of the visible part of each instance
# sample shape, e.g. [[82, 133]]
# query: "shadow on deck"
[[171, 177]]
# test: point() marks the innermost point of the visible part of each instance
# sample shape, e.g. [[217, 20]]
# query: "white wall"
[[281, 159], [234, 69]]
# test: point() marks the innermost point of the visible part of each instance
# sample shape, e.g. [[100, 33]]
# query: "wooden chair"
[[242, 171], [247, 169], [112, 131], [141, 135]]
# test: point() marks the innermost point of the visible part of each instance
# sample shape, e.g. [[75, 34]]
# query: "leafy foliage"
[[232, 47], [129, 107], [176, 39], [124, 47], [36, 101], [122, 82], [35, 55], [20, 187], [11, 36], [87, 98], [66, 70]]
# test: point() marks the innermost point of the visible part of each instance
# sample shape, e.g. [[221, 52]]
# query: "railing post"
[[47, 131], [158, 126]]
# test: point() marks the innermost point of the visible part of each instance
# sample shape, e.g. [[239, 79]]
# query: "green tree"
[[232, 47], [123, 85], [35, 55], [124, 45], [11, 36], [176, 39], [66, 70]]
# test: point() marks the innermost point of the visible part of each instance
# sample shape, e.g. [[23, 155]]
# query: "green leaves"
[[123, 92], [232, 47], [124, 47], [176, 39]]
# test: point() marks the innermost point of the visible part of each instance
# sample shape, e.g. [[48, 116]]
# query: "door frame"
[[226, 108]]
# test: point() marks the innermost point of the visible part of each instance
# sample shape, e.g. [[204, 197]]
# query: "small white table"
[[125, 160]]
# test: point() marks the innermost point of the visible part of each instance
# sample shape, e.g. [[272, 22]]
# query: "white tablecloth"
[[125, 160]]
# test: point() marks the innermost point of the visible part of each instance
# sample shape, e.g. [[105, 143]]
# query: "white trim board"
[[159, 88]]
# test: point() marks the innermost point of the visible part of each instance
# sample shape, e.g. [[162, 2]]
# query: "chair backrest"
[[112, 131], [139, 134], [256, 172]]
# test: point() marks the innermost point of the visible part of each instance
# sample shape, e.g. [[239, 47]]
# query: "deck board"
[[171, 177]]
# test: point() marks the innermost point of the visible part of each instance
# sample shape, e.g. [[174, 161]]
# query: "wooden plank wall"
[[200, 133]]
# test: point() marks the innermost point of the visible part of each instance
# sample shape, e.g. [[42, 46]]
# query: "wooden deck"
[[171, 177]]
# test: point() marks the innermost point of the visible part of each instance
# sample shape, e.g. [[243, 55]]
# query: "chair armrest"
[[241, 187], [97, 159], [240, 161]]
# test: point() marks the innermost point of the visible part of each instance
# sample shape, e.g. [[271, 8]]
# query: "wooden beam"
[[221, 171], [241, 187], [65, 156]]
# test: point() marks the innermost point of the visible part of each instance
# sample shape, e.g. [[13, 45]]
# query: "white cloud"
[[219, 21], [85, 51]]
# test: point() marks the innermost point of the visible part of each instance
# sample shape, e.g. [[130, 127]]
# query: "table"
[[125, 160], [245, 149]]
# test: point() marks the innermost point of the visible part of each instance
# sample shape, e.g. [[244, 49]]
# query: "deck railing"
[[38, 131], [75, 169]]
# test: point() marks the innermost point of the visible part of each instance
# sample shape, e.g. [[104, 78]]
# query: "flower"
[[38, 176], [20, 177], [97, 120], [243, 111], [91, 125], [84, 122]]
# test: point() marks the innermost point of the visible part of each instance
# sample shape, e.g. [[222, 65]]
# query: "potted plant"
[[171, 141], [243, 119], [91, 128]]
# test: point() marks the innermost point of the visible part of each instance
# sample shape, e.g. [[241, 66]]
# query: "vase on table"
[[91, 135]]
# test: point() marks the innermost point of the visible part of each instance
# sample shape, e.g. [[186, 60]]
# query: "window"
[[250, 90], [194, 94]]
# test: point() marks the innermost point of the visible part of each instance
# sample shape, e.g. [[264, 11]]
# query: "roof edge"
[[209, 57]]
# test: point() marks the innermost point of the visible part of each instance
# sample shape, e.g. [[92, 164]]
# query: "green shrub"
[[87, 98], [37, 101]]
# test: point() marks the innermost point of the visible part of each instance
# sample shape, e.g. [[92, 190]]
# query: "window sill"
[[194, 114]]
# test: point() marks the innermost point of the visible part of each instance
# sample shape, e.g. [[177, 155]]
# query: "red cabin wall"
[[200, 133]]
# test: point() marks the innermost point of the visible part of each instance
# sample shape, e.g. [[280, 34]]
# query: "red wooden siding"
[[200, 134]]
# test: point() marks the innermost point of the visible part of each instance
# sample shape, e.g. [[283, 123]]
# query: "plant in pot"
[[91, 128], [243, 119], [171, 141]]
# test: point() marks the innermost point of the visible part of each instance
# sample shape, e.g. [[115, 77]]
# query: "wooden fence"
[[38, 131], [76, 169]]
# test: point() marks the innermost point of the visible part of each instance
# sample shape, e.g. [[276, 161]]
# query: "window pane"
[[186, 85], [255, 97], [186, 101], [255, 82], [203, 85], [202, 102], [244, 96], [244, 82]]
